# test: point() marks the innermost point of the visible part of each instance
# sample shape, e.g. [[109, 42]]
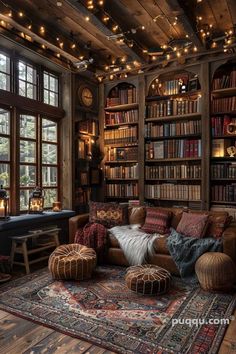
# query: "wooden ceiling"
[[119, 34]]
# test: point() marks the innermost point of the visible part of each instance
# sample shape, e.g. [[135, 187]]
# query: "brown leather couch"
[[162, 257]]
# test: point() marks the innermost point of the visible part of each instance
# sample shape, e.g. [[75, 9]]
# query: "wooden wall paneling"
[[206, 146], [141, 141], [232, 9], [66, 140], [221, 14]]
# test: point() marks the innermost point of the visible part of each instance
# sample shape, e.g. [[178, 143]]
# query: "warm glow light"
[[87, 18], [123, 59], [43, 46], [42, 29], [105, 18], [214, 45], [29, 27], [101, 2], [9, 14], [111, 77], [143, 28], [167, 56], [21, 14], [81, 57], [58, 55], [195, 49], [115, 28], [61, 45], [145, 50], [154, 57], [73, 46], [178, 54], [185, 50]]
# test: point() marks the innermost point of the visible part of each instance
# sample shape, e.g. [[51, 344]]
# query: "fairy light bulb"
[[87, 18], [21, 14], [42, 29]]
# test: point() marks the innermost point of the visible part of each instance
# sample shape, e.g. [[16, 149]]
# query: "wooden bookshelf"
[[223, 168], [173, 118], [174, 159], [125, 187]]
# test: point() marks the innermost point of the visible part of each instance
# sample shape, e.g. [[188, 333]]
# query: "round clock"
[[86, 96]]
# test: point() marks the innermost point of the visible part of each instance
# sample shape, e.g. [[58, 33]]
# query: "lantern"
[[56, 206], [36, 201], [4, 204]]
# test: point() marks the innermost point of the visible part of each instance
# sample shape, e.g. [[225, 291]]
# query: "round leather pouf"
[[72, 261], [215, 271], [148, 279]]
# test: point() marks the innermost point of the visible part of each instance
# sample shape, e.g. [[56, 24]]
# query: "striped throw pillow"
[[157, 221]]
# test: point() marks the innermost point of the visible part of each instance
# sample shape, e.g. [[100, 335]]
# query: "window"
[[5, 154], [50, 89], [27, 80], [45, 160], [5, 72]]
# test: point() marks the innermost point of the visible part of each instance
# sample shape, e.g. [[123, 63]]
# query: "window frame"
[[35, 67], [51, 73], [7, 54]]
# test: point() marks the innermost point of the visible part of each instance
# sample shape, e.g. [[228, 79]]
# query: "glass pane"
[[50, 197], [5, 175], [53, 84], [46, 97], [3, 63], [30, 91], [27, 151], [24, 199], [30, 74], [3, 81], [22, 70], [49, 176], [27, 126], [49, 130], [22, 88], [4, 149], [4, 122], [27, 176], [45, 80], [49, 154]]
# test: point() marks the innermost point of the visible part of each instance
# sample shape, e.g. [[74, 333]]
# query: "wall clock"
[[86, 96]]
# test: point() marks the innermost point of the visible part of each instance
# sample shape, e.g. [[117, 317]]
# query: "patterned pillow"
[[193, 225], [217, 225], [108, 214], [157, 221]]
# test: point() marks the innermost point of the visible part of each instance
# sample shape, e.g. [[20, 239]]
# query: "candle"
[[56, 206]]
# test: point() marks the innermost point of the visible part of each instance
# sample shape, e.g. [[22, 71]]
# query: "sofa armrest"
[[74, 223], [229, 241]]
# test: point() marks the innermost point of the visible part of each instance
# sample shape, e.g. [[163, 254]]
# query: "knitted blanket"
[[136, 244], [186, 250], [92, 235]]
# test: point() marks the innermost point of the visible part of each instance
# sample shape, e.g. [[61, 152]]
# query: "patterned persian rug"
[[104, 312]]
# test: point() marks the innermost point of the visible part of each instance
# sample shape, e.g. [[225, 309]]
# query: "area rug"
[[104, 312]]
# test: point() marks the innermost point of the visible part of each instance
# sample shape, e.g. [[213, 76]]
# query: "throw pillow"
[[108, 214], [193, 225], [156, 221], [217, 225]]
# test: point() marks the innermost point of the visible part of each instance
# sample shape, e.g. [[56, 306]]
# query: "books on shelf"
[[219, 147], [176, 148], [122, 190], [88, 127], [153, 130], [223, 170], [223, 104], [119, 96], [173, 171], [121, 154], [173, 107], [130, 116], [122, 172], [226, 80], [223, 193], [121, 136], [173, 191]]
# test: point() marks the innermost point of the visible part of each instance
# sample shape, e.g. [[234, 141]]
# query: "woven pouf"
[[148, 279], [215, 271], [72, 261]]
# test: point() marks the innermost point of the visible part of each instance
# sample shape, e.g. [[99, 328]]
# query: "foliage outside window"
[[5, 72], [27, 80], [5, 148], [50, 89]]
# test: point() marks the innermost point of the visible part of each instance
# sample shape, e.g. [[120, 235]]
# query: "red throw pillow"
[[157, 221], [193, 225], [217, 225], [108, 214]]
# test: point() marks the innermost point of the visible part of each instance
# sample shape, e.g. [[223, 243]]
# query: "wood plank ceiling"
[[119, 35]]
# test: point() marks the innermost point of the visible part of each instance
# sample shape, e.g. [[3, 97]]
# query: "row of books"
[[122, 172], [82, 196], [219, 125], [173, 171], [167, 149], [171, 87], [228, 79], [225, 193], [219, 147], [130, 116], [122, 190], [173, 108], [118, 136], [121, 154], [88, 127], [120, 96], [223, 170], [224, 104], [153, 130], [173, 191]]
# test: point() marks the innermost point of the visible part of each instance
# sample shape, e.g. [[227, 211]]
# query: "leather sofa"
[[162, 257]]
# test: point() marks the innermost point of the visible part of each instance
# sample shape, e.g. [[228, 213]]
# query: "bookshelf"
[[223, 136], [173, 141], [121, 132]]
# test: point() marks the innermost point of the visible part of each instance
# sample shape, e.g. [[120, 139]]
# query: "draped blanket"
[[136, 244], [186, 250], [92, 235]]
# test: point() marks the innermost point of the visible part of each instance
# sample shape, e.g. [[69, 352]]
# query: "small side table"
[[20, 246]]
